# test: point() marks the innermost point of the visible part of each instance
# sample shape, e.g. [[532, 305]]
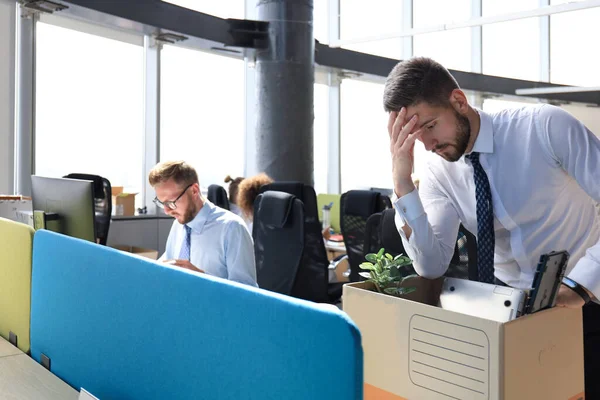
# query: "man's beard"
[[189, 214], [459, 147]]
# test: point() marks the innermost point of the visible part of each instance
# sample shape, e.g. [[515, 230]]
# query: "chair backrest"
[[464, 260], [218, 196], [278, 232], [382, 232], [16, 245], [124, 327], [103, 203], [305, 193], [312, 279], [357, 207]]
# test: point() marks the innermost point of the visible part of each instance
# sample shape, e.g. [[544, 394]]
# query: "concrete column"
[[284, 82]]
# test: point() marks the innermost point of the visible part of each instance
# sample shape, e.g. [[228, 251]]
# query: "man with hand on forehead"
[[526, 181], [204, 238]]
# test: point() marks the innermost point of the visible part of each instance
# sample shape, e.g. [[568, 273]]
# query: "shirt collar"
[[485, 139], [200, 219]]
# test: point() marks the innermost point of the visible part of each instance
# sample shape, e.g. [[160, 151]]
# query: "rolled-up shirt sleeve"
[[434, 223]]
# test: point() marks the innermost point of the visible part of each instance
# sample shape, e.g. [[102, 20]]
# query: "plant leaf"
[[406, 290], [365, 275], [371, 257], [380, 253], [367, 265], [395, 272], [391, 290], [389, 256], [411, 276]]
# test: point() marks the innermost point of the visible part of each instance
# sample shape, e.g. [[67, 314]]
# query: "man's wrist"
[[577, 288], [404, 188]]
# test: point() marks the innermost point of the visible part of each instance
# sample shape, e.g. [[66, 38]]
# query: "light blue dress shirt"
[[220, 244]]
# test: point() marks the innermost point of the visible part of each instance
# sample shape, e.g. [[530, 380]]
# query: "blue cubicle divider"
[[126, 328]]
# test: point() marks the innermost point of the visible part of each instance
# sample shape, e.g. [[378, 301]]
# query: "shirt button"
[[403, 209]]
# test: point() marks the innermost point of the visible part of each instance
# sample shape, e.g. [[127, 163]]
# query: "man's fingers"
[[398, 124], [405, 131], [410, 140], [391, 120]]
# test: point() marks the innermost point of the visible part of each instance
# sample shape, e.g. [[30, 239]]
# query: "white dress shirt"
[[220, 244], [544, 172]]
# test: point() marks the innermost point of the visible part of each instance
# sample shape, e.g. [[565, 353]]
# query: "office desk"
[[21, 378], [7, 349], [149, 231], [334, 249]]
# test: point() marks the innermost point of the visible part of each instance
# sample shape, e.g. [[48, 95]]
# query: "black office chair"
[[313, 274], [356, 206], [218, 196], [103, 203], [278, 232], [381, 232]]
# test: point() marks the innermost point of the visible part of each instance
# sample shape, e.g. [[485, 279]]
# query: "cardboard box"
[[415, 350], [122, 201], [140, 251]]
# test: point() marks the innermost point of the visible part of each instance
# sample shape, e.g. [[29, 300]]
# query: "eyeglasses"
[[171, 204]]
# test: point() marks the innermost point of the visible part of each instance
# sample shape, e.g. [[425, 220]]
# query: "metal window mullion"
[[250, 165], [25, 102], [476, 38], [544, 44], [334, 145], [151, 154], [407, 23]]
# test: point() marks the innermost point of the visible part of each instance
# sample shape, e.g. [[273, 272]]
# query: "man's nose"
[[428, 142]]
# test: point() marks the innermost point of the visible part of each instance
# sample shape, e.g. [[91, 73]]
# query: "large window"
[[573, 59], [359, 19], [511, 49], [450, 48], [321, 21], [89, 106], [496, 105], [321, 137], [365, 143], [202, 112]]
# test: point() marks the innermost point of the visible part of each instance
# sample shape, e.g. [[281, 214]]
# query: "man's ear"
[[196, 188], [459, 102]]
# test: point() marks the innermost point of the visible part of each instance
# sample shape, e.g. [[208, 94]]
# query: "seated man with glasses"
[[204, 237]]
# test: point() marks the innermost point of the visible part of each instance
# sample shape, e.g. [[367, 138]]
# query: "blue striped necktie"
[[485, 221], [184, 254]]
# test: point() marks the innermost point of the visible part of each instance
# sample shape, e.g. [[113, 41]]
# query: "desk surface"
[[7, 349], [140, 217], [335, 246], [22, 378]]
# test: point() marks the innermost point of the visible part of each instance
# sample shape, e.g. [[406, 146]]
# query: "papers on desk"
[[335, 246]]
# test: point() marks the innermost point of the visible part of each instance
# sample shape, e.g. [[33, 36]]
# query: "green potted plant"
[[385, 272]]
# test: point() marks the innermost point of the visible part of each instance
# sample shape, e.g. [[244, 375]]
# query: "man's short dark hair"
[[418, 80]]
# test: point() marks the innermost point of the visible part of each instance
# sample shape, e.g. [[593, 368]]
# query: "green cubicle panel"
[[16, 247], [334, 214]]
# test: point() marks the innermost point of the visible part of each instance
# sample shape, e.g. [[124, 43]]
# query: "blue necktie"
[[485, 222], [184, 254]]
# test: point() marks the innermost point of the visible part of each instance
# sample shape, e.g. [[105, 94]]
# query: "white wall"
[[7, 91], [590, 116]]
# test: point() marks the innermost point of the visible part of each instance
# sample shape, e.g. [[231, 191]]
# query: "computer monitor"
[[71, 199]]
